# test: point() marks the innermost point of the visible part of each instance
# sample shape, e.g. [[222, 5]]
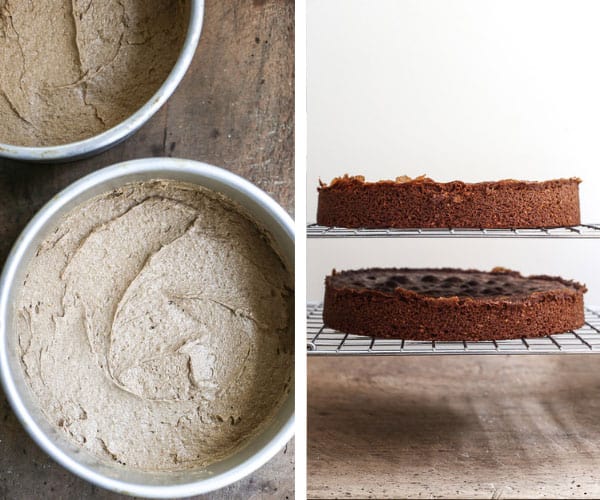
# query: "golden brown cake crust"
[[451, 304], [423, 203]]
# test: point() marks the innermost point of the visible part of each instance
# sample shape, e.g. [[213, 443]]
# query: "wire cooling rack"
[[582, 231], [322, 341]]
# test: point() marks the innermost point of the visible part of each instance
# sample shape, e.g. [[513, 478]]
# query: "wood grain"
[[234, 109], [454, 427]]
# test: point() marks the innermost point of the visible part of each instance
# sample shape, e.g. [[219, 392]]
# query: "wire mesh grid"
[[582, 231], [325, 341]]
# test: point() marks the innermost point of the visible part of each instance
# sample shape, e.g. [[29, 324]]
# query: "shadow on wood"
[[459, 426]]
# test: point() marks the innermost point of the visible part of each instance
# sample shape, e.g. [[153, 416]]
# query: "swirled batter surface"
[[74, 68], [155, 326]]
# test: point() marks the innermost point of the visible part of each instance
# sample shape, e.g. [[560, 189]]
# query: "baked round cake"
[[451, 304], [424, 203]]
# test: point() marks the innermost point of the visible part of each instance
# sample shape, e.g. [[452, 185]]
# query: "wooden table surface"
[[234, 109], [454, 427]]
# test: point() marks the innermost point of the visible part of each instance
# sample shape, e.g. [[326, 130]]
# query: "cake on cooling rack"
[[423, 203], [451, 304]]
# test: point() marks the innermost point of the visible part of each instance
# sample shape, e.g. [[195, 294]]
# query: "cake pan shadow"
[[118, 133], [261, 448]]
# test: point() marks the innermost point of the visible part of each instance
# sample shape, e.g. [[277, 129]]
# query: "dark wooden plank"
[[234, 109]]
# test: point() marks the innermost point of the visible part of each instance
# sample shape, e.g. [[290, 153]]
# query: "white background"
[[470, 90]]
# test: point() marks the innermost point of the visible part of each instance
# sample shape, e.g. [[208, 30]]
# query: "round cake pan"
[[101, 142], [264, 210]]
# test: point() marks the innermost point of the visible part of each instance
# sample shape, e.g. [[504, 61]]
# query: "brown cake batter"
[[155, 326], [73, 69]]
